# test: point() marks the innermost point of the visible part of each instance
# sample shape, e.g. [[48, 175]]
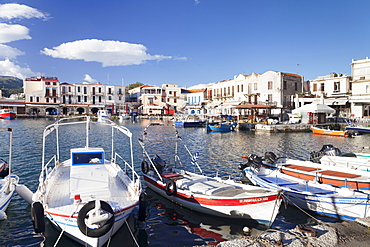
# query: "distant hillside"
[[10, 85], [10, 82]]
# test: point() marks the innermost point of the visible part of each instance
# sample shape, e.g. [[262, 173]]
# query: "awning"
[[314, 108]]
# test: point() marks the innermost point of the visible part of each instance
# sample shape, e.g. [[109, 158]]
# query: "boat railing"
[[151, 162], [45, 168], [127, 167]]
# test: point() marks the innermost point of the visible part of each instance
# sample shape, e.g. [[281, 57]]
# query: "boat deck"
[[63, 189], [326, 172]]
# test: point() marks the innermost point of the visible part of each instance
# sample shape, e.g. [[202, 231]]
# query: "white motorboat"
[[341, 203], [8, 181], [103, 115], [89, 195], [196, 191]]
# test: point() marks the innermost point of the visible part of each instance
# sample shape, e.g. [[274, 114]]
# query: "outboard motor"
[[270, 157], [159, 163], [252, 160], [327, 149]]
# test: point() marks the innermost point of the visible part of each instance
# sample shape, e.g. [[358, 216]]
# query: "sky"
[[183, 42]]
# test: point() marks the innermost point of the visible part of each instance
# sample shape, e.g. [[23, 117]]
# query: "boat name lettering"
[[254, 199]]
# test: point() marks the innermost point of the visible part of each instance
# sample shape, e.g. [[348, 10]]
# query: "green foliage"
[[10, 85], [134, 85]]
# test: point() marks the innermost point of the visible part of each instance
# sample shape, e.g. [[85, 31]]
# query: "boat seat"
[[203, 186], [303, 187], [281, 181]]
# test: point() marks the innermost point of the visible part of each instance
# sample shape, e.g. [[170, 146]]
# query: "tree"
[[131, 86]]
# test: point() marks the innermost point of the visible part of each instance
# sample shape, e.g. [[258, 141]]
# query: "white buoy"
[[24, 192], [246, 229], [3, 215]]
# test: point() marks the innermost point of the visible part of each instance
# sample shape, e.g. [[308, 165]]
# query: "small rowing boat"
[[328, 131]]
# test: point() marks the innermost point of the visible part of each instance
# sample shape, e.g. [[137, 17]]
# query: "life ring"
[[94, 232], [38, 218], [144, 167], [171, 188]]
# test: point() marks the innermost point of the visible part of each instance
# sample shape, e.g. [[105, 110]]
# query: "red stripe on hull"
[[216, 202]]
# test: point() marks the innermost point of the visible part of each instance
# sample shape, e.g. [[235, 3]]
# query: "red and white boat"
[[88, 196], [196, 191], [7, 114]]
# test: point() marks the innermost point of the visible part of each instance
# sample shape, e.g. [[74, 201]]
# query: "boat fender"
[[37, 215], [144, 167], [171, 188], [94, 232]]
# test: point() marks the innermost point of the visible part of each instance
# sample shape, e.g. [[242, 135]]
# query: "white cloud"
[[14, 10], [109, 53], [8, 68], [88, 78], [9, 52], [10, 33]]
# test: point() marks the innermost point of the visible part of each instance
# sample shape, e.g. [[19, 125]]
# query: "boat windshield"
[[87, 158]]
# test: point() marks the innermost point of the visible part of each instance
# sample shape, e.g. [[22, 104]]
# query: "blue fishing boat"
[[324, 199], [221, 127]]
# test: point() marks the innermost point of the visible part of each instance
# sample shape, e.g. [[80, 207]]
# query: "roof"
[[197, 90]]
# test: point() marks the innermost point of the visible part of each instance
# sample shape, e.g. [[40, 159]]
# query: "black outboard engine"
[[159, 163], [326, 149], [253, 161], [270, 157]]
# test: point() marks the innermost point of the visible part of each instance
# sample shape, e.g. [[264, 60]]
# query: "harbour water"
[[166, 224]]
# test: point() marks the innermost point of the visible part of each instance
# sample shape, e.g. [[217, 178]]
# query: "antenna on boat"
[[10, 149], [87, 131]]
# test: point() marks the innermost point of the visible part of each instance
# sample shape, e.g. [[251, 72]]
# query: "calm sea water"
[[167, 224]]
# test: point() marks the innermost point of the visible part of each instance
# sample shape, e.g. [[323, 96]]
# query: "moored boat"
[[189, 121], [8, 181], [308, 170], [7, 114], [328, 131], [221, 127], [196, 191], [89, 195], [340, 203]]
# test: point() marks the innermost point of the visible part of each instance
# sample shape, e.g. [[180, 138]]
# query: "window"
[[269, 85], [269, 98], [55, 100], [174, 100], [237, 89], [109, 90], [78, 89], [47, 100], [255, 86], [296, 86], [47, 83], [314, 87], [85, 90], [54, 92], [85, 98], [99, 99], [99, 89], [31, 99], [336, 86], [78, 98], [285, 85], [241, 88], [322, 87], [109, 97], [151, 100]]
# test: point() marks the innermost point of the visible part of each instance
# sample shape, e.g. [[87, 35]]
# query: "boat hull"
[[365, 130], [247, 208], [320, 131], [8, 115], [6, 196], [182, 124], [221, 127], [325, 200], [63, 222]]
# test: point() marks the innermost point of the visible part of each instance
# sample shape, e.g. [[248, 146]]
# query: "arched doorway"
[[94, 110], [80, 110], [51, 111]]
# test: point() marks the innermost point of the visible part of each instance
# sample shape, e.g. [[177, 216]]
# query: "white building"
[[46, 95], [360, 99]]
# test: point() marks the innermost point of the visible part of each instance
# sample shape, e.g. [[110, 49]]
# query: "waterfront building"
[[360, 98], [175, 98], [333, 90], [47, 96], [153, 101], [255, 94], [196, 101]]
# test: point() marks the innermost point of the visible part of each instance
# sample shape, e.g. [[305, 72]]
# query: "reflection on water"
[[167, 224]]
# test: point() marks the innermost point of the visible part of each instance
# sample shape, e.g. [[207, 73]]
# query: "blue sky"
[[184, 42]]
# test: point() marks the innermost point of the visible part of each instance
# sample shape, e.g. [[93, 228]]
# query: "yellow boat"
[[323, 131]]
